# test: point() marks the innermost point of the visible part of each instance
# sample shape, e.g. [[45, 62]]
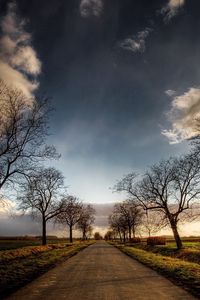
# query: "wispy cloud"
[[171, 9], [135, 43], [170, 93], [19, 64], [183, 116], [90, 8]]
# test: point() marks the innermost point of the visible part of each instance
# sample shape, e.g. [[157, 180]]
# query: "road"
[[101, 272]]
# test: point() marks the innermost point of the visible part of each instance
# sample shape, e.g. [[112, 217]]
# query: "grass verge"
[[184, 273], [9, 255], [190, 251], [15, 273]]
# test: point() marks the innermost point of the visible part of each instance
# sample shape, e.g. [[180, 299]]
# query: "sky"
[[20, 224], [122, 75]]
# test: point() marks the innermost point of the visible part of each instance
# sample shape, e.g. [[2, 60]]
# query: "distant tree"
[[23, 129], [90, 232], [71, 213], [109, 235], [86, 220], [152, 222], [126, 217], [118, 223], [40, 195], [97, 236], [170, 187]]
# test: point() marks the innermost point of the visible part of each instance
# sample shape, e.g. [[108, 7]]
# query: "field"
[[20, 263], [14, 243], [180, 266]]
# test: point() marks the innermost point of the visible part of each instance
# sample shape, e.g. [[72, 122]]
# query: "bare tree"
[[86, 220], [109, 235], [40, 195], [23, 129], [126, 216], [118, 223], [135, 215], [115, 225], [152, 222], [170, 187], [71, 213]]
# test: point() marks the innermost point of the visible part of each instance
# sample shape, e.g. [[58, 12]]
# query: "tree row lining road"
[[101, 272]]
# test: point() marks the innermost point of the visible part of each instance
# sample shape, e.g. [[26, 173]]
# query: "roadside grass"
[[181, 272], [22, 267], [9, 255], [190, 251]]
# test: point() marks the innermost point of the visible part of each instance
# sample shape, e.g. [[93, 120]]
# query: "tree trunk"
[[133, 231], [44, 237], [84, 234], [129, 233], [70, 234], [120, 236], [176, 234], [124, 236]]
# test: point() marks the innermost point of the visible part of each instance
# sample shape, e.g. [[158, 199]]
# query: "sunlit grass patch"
[[190, 252], [8, 255]]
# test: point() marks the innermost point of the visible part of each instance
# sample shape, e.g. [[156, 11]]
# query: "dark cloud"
[[20, 225]]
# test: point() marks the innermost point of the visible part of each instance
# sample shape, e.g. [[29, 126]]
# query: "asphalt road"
[[101, 272]]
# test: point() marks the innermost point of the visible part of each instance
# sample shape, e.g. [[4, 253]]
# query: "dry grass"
[[8, 255], [190, 252]]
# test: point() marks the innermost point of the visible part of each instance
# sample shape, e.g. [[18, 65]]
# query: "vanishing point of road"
[[101, 272]]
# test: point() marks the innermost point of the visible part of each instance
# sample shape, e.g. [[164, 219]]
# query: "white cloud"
[[185, 111], [6, 206], [171, 9], [26, 59], [90, 8], [18, 59], [17, 79], [175, 4], [135, 43], [170, 93]]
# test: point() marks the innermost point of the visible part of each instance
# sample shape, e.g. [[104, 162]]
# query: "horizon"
[[14, 223]]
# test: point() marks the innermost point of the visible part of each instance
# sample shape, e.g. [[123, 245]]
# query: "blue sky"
[[122, 75]]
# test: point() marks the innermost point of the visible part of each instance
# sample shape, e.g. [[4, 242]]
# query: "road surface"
[[101, 272]]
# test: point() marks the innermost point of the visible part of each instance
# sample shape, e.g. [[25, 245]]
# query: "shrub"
[[135, 240], [156, 240]]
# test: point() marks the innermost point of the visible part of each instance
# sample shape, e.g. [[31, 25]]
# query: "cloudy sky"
[[122, 75]]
